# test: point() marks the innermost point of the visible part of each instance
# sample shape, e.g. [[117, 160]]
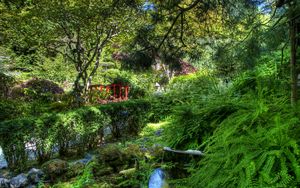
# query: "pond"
[[3, 162]]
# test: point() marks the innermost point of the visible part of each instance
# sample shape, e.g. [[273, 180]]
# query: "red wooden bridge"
[[114, 92]]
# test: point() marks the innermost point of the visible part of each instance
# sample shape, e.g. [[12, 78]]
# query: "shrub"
[[80, 129], [36, 89], [127, 117], [5, 83], [13, 136], [256, 146], [190, 125]]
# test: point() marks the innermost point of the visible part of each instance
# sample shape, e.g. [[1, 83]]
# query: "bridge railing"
[[113, 92]]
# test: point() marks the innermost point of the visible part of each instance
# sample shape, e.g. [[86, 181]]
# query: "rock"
[[75, 169], [104, 171], [107, 131], [5, 173], [112, 156], [83, 161], [88, 156], [31, 186], [35, 175], [128, 172], [4, 183], [19, 181], [55, 167], [158, 132]]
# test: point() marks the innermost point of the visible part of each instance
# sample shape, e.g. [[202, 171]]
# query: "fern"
[[255, 149]]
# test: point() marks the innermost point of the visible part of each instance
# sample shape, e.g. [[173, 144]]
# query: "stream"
[[3, 162]]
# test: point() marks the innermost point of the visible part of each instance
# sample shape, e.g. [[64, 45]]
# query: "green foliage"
[[138, 61], [36, 89], [127, 117], [57, 70], [190, 126], [257, 149], [6, 82], [186, 90], [86, 178], [79, 129], [10, 109], [246, 129], [13, 135], [141, 84], [193, 87]]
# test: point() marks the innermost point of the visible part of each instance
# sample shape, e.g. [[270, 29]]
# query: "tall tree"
[[79, 30], [292, 16]]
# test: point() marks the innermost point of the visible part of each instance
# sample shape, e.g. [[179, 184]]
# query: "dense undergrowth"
[[80, 129], [247, 130]]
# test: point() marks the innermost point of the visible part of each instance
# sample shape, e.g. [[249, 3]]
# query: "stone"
[[87, 158], [112, 156], [31, 186], [35, 175], [19, 181], [76, 168], [158, 132], [4, 183], [55, 167], [107, 131], [104, 171], [128, 172]]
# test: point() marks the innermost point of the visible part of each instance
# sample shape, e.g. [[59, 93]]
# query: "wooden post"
[[126, 93], [107, 88], [114, 85], [120, 91]]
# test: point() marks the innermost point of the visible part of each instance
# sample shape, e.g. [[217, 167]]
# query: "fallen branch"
[[189, 152]]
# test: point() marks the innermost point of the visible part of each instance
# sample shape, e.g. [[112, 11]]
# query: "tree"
[[292, 17], [198, 30], [79, 30]]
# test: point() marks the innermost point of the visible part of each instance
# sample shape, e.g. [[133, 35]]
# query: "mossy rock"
[[55, 167], [133, 151], [75, 169], [112, 156], [128, 172], [105, 171]]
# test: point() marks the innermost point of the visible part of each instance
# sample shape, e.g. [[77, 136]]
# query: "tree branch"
[[182, 11]]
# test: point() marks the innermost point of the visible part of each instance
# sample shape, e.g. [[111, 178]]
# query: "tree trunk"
[[293, 32]]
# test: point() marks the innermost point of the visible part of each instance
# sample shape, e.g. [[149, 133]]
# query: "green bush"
[[190, 90], [10, 109], [127, 117], [13, 136], [193, 88], [190, 125], [79, 129], [36, 89], [6, 82]]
